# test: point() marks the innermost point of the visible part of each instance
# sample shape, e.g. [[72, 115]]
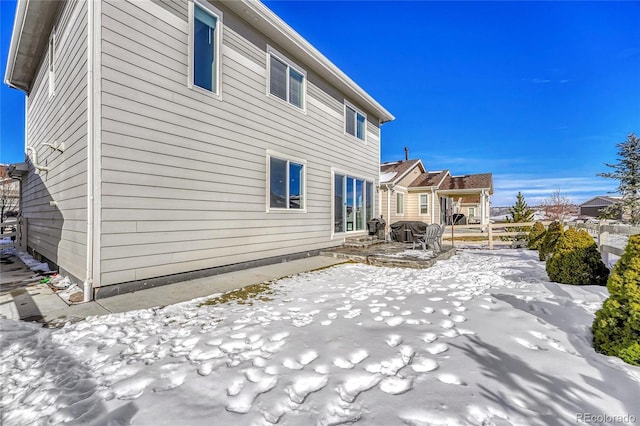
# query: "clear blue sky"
[[537, 93]]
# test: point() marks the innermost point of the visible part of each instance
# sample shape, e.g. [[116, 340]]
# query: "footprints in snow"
[[554, 343]]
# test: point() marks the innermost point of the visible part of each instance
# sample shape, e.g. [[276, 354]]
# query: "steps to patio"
[[361, 242]]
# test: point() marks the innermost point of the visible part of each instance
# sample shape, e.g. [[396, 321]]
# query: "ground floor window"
[[399, 203], [472, 212], [286, 184], [352, 204], [424, 203]]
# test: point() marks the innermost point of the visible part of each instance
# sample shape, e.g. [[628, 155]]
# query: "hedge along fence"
[[610, 238]]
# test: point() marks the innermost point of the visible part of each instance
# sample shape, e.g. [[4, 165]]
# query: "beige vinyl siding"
[[177, 7], [413, 208], [184, 173], [55, 202]]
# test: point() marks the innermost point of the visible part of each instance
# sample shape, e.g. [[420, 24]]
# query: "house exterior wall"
[[413, 207], [184, 173], [54, 202]]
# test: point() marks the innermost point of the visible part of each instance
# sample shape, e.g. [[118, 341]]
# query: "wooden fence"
[[491, 233], [611, 239]]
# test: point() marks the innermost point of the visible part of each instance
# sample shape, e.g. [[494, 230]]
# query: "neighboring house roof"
[[387, 176], [35, 19], [470, 199], [400, 168], [600, 201], [395, 171], [429, 179], [468, 182]]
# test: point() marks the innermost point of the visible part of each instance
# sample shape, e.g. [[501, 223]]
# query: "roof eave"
[[31, 28], [465, 190], [274, 27]]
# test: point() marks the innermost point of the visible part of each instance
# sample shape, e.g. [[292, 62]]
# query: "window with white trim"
[[353, 203], [205, 47], [286, 184], [52, 60], [286, 80], [355, 122], [472, 212], [399, 203], [424, 203]]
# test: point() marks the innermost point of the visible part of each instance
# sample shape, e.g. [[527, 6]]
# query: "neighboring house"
[[419, 195], [174, 139], [594, 206], [9, 194]]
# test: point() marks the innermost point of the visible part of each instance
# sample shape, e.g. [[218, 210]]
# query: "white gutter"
[[256, 13], [18, 25]]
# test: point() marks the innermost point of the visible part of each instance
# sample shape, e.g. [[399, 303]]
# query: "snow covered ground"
[[483, 338]]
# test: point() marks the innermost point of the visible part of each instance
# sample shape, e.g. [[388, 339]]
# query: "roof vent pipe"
[[406, 153]]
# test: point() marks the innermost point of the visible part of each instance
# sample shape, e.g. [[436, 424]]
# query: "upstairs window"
[[286, 81], [205, 48], [354, 122]]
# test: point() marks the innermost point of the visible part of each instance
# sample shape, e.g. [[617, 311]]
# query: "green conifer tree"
[[616, 328], [520, 212], [627, 172]]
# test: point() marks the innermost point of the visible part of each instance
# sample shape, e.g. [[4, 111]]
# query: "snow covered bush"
[[536, 236], [550, 239], [616, 329], [576, 260]]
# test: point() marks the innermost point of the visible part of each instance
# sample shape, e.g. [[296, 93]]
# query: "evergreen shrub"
[[536, 236], [548, 244], [616, 328], [576, 260]]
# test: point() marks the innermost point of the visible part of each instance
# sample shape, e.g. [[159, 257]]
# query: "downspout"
[[34, 154], [433, 205], [88, 282], [388, 221], [483, 209]]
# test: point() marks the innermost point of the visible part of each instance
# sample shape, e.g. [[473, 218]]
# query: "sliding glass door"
[[353, 203]]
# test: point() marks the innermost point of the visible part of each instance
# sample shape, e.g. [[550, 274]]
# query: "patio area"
[[393, 254]]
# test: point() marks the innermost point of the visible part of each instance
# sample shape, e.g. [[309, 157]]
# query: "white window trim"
[[420, 205], [404, 195], [52, 63], [344, 119], [217, 13], [374, 194], [273, 52], [469, 212], [281, 156]]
